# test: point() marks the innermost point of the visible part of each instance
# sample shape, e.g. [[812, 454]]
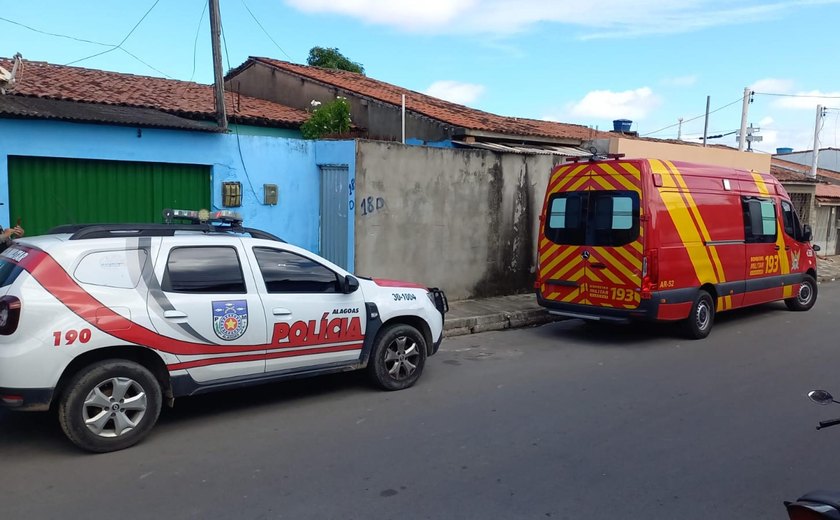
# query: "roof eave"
[[469, 132]]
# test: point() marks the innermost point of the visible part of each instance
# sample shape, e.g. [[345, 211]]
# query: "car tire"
[[398, 357], [699, 323], [110, 405], [806, 297]]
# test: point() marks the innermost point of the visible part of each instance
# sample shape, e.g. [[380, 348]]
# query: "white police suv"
[[104, 323]]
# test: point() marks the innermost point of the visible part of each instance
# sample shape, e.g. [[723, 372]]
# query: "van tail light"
[[9, 315], [650, 274]]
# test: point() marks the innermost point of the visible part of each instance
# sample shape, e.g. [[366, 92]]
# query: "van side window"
[[791, 221], [759, 220], [203, 270]]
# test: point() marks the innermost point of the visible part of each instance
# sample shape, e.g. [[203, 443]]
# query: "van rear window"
[[596, 218]]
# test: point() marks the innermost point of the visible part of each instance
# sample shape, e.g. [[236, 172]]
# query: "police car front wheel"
[[398, 357], [110, 405]]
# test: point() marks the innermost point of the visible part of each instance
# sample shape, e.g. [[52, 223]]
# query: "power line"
[[54, 34], [266, 32], [821, 96], [195, 43], [119, 45], [57, 35], [739, 100]]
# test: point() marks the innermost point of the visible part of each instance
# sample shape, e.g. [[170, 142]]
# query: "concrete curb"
[[496, 321]]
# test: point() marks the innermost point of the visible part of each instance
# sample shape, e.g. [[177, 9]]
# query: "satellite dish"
[[5, 75]]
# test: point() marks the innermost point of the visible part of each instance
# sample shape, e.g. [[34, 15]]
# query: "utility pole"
[[744, 112], [679, 129], [706, 126], [215, 36], [820, 114]]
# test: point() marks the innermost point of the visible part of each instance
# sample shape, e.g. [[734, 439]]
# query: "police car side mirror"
[[349, 284]]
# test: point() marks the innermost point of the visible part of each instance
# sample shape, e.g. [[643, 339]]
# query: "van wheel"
[[807, 296], [398, 357], [110, 405], [702, 317]]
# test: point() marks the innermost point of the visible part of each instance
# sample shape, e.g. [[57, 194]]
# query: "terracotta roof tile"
[[794, 172], [828, 191], [194, 100], [444, 111]]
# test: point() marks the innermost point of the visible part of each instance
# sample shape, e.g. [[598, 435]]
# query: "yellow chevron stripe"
[[688, 232], [547, 252], [561, 257], [616, 264], [569, 176], [574, 294], [634, 260], [603, 182], [704, 232], [577, 184], [620, 178], [760, 184], [631, 169], [591, 274]]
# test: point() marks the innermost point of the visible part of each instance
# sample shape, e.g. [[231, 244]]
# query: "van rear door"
[[591, 242]]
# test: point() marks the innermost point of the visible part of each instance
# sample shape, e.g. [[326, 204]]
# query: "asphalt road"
[[561, 421]]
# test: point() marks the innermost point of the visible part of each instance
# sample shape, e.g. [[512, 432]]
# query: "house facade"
[[829, 158], [81, 145]]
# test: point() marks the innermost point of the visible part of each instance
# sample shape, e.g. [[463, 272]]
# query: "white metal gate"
[[335, 180]]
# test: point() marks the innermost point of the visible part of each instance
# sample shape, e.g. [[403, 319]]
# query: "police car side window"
[[287, 272], [203, 270], [8, 272]]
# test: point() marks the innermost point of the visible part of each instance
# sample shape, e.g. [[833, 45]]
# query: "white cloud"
[[766, 121], [456, 92], [807, 100], [680, 81], [596, 18], [606, 104], [773, 85]]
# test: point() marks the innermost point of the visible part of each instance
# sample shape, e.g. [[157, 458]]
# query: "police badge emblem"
[[230, 319]]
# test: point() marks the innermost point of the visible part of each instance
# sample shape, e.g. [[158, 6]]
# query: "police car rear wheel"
[[398, 357], [806, 297], [702, 317], [110, 405]]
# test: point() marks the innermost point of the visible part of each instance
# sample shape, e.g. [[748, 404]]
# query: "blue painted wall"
[[292, 164]]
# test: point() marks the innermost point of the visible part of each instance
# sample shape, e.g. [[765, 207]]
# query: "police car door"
[[208, 300], [311, 320]]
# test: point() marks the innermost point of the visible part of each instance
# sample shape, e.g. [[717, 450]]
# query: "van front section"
[[591, 244]]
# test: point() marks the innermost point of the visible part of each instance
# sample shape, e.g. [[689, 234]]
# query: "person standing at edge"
[[6, 236]]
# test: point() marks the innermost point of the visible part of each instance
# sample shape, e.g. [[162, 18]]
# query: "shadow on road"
[[638, 334]]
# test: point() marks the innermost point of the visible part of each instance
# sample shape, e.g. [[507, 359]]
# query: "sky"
[[583, 62]]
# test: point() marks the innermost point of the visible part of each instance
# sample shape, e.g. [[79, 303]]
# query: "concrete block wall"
[[462, 220]]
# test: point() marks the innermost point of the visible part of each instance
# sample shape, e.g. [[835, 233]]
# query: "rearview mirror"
[[349, 284], [820, 397]]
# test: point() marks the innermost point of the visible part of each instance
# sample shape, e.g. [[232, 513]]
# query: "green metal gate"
[[47, 192]]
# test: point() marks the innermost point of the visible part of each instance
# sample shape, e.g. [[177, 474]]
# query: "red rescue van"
[[625, 239]]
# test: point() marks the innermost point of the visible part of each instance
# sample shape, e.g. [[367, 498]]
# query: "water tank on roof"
[[622, 125], [784, 150]]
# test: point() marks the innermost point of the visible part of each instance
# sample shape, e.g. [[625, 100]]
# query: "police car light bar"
[[202, 216]]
